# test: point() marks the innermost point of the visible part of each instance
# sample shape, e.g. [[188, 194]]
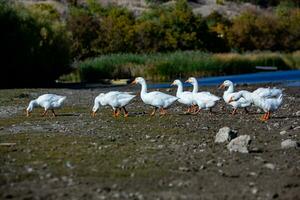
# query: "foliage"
[[44, 40], [33, 50], [254, 30]]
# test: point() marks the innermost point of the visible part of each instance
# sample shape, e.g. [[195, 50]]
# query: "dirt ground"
[[75, 156]]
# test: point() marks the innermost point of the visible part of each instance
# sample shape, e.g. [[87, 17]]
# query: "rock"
[[184, 169], [287, 144], [282, 132], [277, 125], [225, 134], [239, 144], [298, 113], [254, 190], [269, 166]]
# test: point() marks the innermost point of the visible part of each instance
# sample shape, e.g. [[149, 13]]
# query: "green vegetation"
[[166, 66], [39, 43], [33, 49]]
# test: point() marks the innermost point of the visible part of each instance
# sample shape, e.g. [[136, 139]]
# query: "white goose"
[[47, 101], [267, 104], [242, 102], [185, 97], [204, 100], [156, 99], [268, 92], [117, 100]]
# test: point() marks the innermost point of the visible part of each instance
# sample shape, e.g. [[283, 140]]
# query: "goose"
[[48, 102], [242, 102], [184, 97], [117, 100], [156, 99], [268, 92], [268, 105], [204, 100]]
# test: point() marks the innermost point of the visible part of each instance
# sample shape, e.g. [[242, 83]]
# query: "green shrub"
[[34, 52]]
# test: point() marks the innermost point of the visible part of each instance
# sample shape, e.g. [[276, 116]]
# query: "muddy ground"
[[75, 156]]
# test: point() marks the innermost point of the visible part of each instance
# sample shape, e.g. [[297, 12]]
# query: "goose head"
[[176, 82], [225, 84], [30, 107], [97, 104], [191, 80], [139, 80]]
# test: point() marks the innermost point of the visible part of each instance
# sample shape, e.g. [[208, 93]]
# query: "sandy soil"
[[75, 156]]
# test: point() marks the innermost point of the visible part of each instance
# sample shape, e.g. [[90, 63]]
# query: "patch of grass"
[[166, 66]]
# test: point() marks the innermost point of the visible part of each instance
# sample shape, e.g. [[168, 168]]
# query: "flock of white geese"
[[267, 99]]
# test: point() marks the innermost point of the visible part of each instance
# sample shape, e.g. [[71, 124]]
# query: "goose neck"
[[195, 88], [144, 88], [179, 89]]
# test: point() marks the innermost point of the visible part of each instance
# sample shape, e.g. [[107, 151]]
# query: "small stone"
[[269, 166], [147, 136], [287, 144], [29, 169], [276, 125], [184, 169], [254, 190], [253, 174], [251, 184], [298, 113], [282, 132], [239, 144], [225, 134], [69, 165]]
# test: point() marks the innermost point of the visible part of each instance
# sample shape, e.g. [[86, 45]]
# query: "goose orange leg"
[[116, 113], [197, 111], [263, 118], [162, 111], [234, 111], [125, 112], [54, 115], [153, 112], [267, 116], [189, 109], [44, 113]]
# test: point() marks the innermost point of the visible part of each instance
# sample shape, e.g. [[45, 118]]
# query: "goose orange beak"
[[93, 114], [222, 86], [230, 100], [187, 81], [133, 82]]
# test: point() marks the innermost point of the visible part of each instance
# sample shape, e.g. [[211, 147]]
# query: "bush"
[[33, 52]]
